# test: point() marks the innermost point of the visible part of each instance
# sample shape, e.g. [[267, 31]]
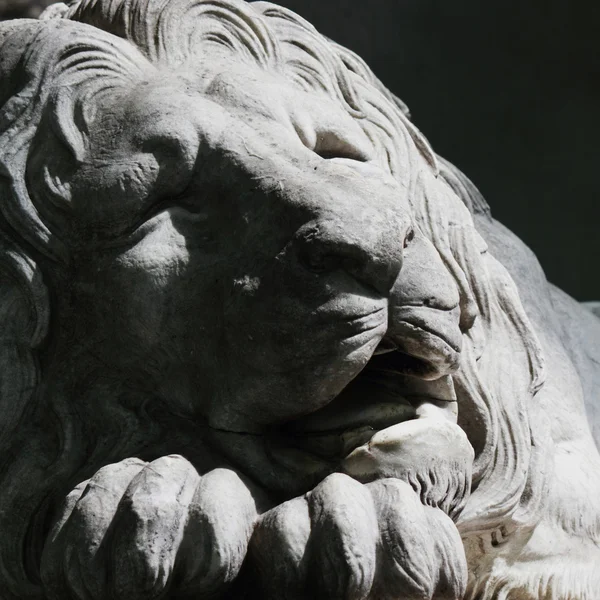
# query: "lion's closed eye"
[[330, 145], [328, 140]]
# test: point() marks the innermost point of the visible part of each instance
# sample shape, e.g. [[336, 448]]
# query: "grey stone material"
[[259, 340]]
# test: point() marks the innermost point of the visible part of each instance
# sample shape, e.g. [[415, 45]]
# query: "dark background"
[[508, 90]]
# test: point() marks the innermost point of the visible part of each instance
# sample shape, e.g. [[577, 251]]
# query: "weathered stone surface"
[[259, 339]]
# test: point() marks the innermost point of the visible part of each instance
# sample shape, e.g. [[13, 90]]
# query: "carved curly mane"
[[58, 55]]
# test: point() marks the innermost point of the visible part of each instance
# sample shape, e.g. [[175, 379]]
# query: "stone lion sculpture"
[[258, 340]]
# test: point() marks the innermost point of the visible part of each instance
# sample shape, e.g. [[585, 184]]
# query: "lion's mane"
[[61, 70]]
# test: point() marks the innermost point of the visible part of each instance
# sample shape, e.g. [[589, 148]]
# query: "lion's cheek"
[[155, 307], [433, 455], [256, 398], [292, 348]]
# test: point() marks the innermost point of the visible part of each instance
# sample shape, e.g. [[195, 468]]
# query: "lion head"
[[223, 237]]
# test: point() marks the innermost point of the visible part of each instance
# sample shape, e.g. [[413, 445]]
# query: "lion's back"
[[558, 318], [580, 334]]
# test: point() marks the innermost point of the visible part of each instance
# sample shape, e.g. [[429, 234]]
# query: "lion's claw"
[[355, 541]]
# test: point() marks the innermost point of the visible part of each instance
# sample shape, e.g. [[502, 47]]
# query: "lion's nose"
[[369, 252]]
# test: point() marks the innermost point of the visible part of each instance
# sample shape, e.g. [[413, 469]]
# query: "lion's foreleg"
[[348, 540]]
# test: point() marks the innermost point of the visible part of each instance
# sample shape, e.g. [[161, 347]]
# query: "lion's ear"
[[56, 186], [69, 121]]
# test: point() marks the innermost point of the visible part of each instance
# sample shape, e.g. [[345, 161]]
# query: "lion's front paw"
[[355, 541], [136, 529]]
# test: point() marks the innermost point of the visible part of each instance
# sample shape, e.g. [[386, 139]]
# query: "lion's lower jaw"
[[546, 564]]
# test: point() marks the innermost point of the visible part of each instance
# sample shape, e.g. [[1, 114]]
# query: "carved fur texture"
[[212, 221]]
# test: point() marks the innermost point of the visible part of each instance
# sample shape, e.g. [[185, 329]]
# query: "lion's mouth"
[[407, 377], [392, 388]]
